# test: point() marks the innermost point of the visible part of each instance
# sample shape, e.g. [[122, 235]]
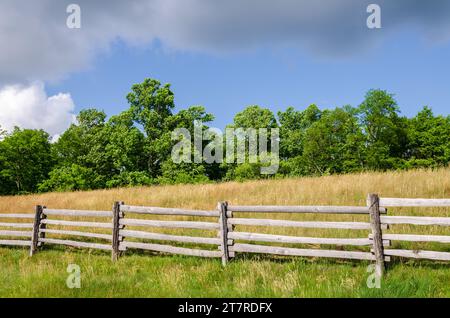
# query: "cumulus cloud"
[[37, 45], [30, 107]]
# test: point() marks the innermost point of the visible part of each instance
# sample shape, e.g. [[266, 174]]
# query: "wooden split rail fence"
[[117, 237]]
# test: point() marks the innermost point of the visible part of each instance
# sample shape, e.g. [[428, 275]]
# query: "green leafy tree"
[[130, 179], [70, 178], [292, 167], [75, 144], [7, 185], [174, 173], [385, 131], [244, 171], [119, 148], [334, 144], [107, 148], [134, 147], [429, 140], [255, 117], [291, 133], [252, 117], [182, 172], [150, 105], [26, 159], [293, 125], [2, 133], [125, 146]]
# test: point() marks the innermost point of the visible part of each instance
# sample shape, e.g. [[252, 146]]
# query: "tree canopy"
[[134, 147]]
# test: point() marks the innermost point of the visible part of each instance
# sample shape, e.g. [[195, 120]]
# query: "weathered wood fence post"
[[230, 229], [223, 223], [117, 214], [373, 202], [42, 226], [36, 226]]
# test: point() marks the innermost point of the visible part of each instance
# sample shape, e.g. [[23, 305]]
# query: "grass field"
[[142, 274]]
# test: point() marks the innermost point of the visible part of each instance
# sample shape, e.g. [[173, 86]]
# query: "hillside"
[[335, 190], [149, 275]]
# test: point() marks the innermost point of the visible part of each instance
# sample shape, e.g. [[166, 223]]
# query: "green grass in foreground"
[[146, 275]]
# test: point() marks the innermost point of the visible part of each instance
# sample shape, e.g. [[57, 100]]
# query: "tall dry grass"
[[349, 189], [145, 275]]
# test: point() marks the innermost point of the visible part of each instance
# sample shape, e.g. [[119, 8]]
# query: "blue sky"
[[417, 72], [222, 55]]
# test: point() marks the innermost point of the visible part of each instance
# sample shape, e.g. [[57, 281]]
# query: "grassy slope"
[[141, 274]]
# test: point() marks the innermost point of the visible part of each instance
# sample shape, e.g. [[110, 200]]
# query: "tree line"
[[134, 147]]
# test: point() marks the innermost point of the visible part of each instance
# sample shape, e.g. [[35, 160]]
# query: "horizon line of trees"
[[134, 147]]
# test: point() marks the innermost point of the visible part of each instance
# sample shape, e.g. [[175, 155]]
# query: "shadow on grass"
[[396, 261], [242, 257], [280, 259]]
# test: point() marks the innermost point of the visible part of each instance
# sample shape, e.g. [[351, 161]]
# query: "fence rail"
[[13, 233], [306, 224], [416, 221], [122, 243], [302, 209], [119, 234], [166, 211], [400, 202], [261, 249]]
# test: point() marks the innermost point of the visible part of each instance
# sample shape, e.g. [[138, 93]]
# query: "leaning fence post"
[[223, 223], [373, 202], [115, 231], [36, 225]]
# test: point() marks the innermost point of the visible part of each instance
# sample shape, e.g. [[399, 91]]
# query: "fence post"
[[230, 228], [115, 231], [42, 226], [373, 202], [222, 206], [36, 225]]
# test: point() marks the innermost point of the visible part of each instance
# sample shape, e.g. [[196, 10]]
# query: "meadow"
[[144, 274]]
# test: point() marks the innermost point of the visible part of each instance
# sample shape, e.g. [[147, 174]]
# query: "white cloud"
[[30, 107]]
